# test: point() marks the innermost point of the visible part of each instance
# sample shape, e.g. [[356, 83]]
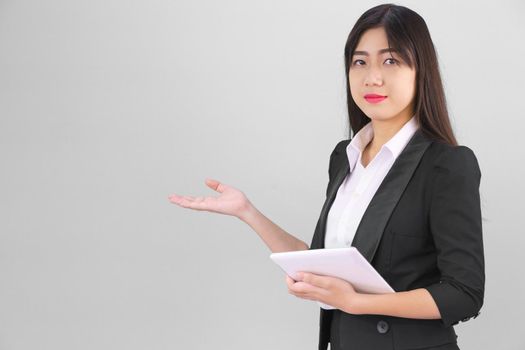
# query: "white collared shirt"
[[360, 185]]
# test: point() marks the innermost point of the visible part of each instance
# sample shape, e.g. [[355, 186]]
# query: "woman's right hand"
[[230, 201]]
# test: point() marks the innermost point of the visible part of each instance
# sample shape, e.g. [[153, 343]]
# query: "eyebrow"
[[365, 53]]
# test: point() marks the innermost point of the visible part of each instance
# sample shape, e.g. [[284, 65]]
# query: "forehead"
[[373, 41]]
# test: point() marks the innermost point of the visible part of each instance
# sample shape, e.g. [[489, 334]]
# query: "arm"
[[416, 303], [272, 235], [232, 201], [275, 237], [455, 223]]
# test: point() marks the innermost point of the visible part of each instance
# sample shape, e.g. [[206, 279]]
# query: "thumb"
[[215, 185]]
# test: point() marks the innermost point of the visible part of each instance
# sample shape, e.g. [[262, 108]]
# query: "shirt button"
[[382, 327]]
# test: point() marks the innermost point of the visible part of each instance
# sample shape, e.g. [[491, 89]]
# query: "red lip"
[[374, 96]]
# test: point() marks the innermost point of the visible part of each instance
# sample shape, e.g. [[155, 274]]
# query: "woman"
[[401, 191]]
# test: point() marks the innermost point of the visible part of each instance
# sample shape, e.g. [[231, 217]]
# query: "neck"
[[384, 130]]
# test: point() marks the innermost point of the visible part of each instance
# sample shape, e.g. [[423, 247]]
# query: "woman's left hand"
[[333, 291]]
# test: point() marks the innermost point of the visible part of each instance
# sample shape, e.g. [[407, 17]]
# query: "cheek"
[[354, 85], [404, 89]]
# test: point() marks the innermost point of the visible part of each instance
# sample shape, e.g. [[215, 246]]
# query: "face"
[[381, 73]]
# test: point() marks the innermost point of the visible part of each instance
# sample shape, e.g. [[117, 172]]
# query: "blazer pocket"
[[408, 250], [422, 334], [409, 234]]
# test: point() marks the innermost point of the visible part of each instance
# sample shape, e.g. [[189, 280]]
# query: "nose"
[[373, 77]]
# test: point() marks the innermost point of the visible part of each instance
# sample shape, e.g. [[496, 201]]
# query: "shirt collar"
[[395, 145]]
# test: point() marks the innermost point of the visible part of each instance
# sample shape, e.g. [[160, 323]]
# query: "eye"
[[392, 59], [355, 63]]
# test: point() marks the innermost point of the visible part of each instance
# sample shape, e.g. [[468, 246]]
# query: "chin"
[[378, 116]]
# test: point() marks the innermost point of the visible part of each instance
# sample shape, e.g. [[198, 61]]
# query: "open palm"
[[230, 201]]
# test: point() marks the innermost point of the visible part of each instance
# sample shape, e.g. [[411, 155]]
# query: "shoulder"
[[460, 160], [340, 147], [338, 151]]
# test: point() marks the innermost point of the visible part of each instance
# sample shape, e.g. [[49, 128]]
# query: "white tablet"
[[344, 263]]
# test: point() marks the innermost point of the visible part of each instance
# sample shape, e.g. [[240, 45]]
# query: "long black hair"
[[406, 32]]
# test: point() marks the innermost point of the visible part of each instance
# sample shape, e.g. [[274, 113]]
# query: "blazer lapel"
[[333, 186], [372, 225], [375, 218]]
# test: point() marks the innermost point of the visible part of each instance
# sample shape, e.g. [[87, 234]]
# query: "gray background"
[[109, 106]]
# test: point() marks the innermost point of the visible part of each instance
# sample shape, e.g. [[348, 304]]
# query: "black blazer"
[[422, 229]]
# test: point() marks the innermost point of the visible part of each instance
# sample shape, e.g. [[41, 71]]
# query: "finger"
[[291, 290], [215, 185], [303, 296], [185, 201], [317, 280], [177, 199], [289, 281], [197, 203], [299, 287], [296, 293], [306, 288]]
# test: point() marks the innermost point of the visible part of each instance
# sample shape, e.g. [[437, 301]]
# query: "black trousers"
[[335, 343]]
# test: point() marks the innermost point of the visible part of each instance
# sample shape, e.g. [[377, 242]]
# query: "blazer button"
[[382, 327]]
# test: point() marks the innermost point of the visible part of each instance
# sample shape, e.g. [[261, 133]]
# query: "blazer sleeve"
[[455, 225]]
